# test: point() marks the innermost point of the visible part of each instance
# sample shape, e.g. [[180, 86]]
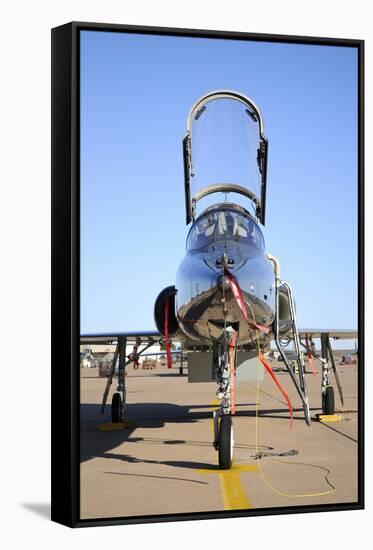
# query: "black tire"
[[328, 401], [116, 408], [225, 442]]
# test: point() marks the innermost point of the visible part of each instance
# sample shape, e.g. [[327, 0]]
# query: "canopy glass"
[[222, 225], [225, 151]]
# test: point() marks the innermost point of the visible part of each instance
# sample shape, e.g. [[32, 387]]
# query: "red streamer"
[[238, 296], [268, 368]]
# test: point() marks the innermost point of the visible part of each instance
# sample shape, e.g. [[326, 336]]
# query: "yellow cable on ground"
[[273, 489]]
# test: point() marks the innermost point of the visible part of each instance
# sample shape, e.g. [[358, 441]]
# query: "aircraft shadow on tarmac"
[[174, 463], [157, 477], [94, 443]]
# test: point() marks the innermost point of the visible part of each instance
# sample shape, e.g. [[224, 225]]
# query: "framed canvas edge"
[[65, 271], [65, 280]]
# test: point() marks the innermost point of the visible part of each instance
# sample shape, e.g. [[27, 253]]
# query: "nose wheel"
[[225, 442]]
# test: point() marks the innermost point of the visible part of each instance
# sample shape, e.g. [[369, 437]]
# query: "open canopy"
[[225, 151]]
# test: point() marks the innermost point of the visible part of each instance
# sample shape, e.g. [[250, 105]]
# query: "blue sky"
[[136, 92]]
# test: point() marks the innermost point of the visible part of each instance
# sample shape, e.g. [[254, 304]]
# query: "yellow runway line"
[[234, 496]]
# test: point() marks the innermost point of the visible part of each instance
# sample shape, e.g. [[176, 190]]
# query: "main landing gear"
[[327, 391], [118, 402], [327, 364]]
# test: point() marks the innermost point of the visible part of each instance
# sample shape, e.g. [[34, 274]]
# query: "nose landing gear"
[[225, 366]]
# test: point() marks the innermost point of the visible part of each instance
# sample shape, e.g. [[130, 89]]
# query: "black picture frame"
[[66, 270]]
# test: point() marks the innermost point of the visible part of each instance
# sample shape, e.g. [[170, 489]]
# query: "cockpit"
[[224, 223]]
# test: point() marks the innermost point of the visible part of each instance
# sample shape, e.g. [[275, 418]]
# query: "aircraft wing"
[[113, 337], [336, 334], [147, 338]]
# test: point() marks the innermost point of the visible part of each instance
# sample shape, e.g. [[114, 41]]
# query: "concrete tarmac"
[[164, 463]]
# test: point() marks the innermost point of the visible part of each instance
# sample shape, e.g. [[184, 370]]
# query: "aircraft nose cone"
[[222, 282]]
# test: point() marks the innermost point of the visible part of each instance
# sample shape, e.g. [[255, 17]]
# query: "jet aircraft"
[[228, 292]]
